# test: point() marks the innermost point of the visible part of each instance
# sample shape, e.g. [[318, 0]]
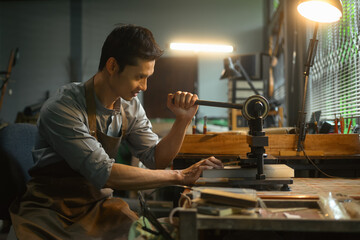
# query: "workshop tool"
[[204, 126], [219, 104], [145, 210], [342, 124], [349, 126], [315, 124], [336, 125], [255, 109], [194, 125]]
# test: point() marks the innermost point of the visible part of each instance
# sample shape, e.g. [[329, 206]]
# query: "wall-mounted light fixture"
[[196, 47]]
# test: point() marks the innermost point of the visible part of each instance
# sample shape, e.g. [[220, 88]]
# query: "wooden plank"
[[238, 222], [215, 144], [296, 153], [315, 144], [229, 198], [270, 170], [279, 144]]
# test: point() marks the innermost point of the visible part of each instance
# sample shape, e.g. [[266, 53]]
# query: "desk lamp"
[[323, 11], [234, 71]]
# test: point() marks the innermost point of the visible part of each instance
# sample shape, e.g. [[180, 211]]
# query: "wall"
[[41, 29]]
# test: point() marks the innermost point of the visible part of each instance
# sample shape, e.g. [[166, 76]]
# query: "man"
[[80, 130]]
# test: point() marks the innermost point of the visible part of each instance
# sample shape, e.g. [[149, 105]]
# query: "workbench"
[[305, 192], [338, 152]]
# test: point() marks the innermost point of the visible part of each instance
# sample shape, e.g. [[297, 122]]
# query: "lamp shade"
[[325, 11], [229, 70]]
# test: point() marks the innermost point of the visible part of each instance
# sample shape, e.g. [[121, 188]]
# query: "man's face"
[[133, 79]]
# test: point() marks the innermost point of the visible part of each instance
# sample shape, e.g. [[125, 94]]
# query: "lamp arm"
[[311, 51], [248, 79], [302, 114]]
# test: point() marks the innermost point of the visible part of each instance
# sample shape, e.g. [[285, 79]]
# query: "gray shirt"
[[64, 134]]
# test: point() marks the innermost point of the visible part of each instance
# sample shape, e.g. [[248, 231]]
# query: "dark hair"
[[127, 44]]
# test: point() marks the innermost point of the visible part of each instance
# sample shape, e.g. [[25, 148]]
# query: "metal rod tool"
[[219, 104]]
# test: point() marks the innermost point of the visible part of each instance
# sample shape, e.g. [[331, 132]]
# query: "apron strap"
[[91, 106], [124, 122], [91, 110]]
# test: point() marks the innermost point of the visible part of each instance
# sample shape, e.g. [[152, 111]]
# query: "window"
[[334, 81]]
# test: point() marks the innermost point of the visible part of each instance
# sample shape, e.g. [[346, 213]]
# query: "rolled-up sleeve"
[[141, 139], [63, 126]]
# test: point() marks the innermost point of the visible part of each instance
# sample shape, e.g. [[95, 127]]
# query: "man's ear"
[[112, 66]]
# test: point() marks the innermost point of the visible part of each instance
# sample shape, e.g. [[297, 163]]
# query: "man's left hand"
[[192, 173]]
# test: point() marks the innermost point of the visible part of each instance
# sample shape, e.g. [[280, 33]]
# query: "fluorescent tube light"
[[201, 47]]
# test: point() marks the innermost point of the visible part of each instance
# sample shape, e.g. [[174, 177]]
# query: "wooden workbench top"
[[279, 145], [317, 186]]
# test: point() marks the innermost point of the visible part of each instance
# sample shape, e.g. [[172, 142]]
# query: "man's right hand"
[[182, 104], [192, 173]]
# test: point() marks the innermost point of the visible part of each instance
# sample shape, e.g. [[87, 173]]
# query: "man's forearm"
[[124, 177], [167, 149]]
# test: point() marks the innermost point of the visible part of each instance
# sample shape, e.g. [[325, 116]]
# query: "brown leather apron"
[[61, 204]]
